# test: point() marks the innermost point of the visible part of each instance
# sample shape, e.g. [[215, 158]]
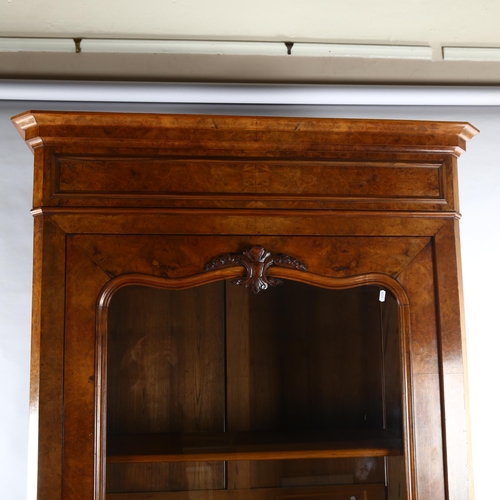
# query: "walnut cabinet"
[[246, 308]]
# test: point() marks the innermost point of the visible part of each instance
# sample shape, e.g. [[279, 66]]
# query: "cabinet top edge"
[[33, 126]]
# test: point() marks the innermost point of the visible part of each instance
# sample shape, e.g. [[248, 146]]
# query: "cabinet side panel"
[[452, 338], [46, 391]]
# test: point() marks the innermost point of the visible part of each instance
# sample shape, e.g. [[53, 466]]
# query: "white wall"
[[479, 190]]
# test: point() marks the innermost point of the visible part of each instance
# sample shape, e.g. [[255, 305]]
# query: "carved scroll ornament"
[[256, 261]]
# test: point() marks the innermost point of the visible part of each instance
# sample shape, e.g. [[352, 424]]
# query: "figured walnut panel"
[[47, 353], [204, 131], [418, 281], [84, 281], [245, 222], [423, 345], [429, 452], [454, 369], [179, 256], [225, 182], [112, 160]]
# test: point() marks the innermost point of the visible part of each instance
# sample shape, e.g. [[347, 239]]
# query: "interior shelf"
[[201, 446]]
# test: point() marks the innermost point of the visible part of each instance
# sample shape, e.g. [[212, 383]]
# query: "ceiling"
[[435, 24], [383, 21]]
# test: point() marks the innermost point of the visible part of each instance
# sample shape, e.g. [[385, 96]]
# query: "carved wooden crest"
[[256, 261]]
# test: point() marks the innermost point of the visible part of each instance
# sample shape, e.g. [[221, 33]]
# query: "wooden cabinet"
[[251, 308]]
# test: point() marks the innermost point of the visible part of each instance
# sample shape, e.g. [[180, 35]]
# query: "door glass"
[[216, 388]]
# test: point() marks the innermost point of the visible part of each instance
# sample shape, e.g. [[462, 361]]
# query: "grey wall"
[[479, 191]]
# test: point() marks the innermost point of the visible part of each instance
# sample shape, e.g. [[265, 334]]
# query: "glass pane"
[[199, 377]]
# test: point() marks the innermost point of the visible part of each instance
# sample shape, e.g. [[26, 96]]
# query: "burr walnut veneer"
[[241, 307]]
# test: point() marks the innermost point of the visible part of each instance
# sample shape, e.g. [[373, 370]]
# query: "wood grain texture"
[[429, 460], [396, 475], [311, 367], [165, 374], [360, 492], [449, 289], [148, 200], [147, 478], [396, 472], [133, 313], [286, 162], [316, 359], [237, 182], [391, 355], [238, 388], [417, 279], [177, 256], [454, 366], [209, 446], [166, 360], [171, 127], [252, 222], [426, 435], [47, 346], [112, 177], [79, 372]]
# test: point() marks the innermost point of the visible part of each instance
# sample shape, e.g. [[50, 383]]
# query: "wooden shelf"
[[337, 492], [193, 447]]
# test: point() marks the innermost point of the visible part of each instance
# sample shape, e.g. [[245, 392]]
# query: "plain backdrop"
[[479, 181]]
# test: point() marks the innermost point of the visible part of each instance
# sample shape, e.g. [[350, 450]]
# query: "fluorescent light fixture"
[[471, 53], [217, 47], [366, 51], [183, 47], [253, 48], [36, 45]]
